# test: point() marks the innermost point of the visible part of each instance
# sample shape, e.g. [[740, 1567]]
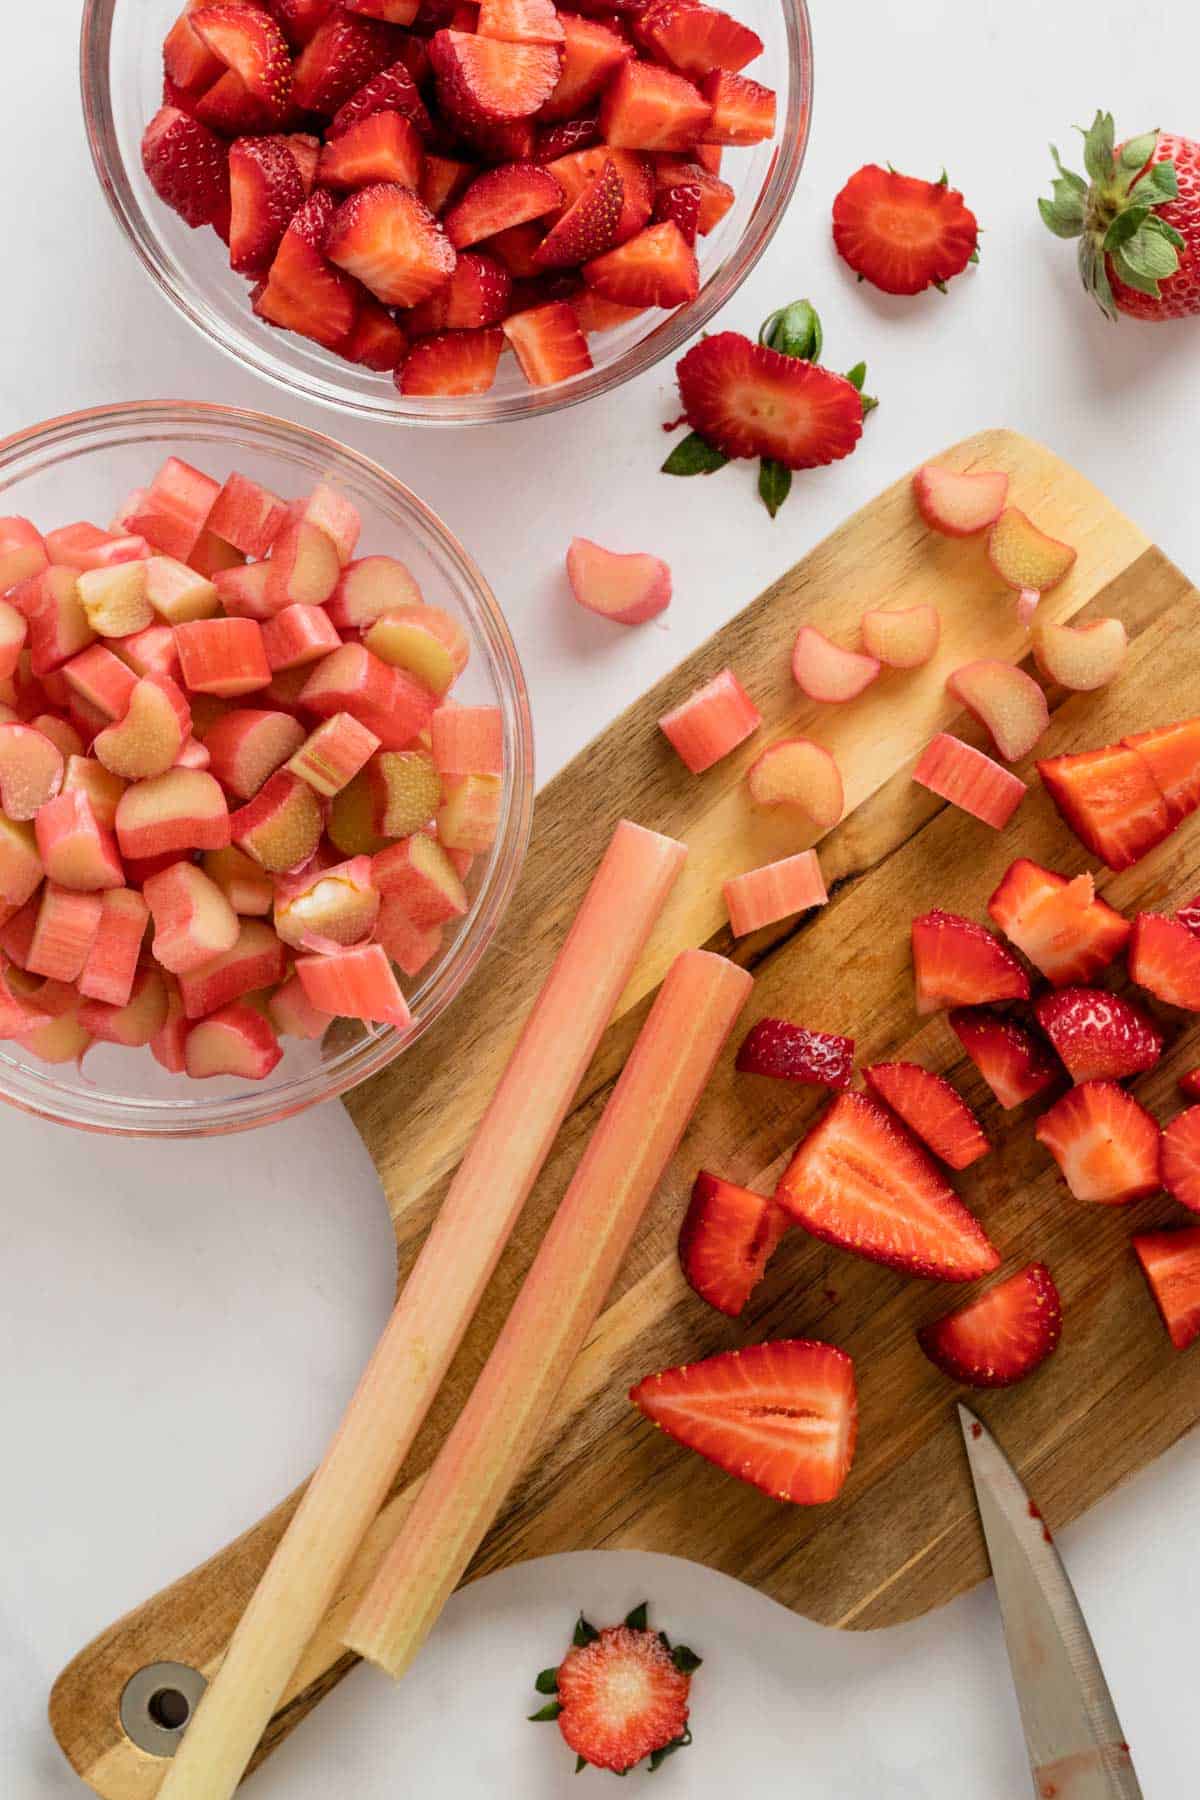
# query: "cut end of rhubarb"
[[904, 637], [1024, 556], [711, 722], [799, 773], [964, 776], [764, 896], [1080, 657], [626, 588], [959, 505], [1006, 700], [824, 671]]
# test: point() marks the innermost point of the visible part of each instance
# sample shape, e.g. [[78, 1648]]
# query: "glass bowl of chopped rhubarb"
[[266, 769], [440, 212]]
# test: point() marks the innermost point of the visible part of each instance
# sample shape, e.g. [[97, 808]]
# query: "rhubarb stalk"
[[438, 1301]]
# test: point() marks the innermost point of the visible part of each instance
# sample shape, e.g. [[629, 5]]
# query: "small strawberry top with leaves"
[[1137, 218], [620, 1694]]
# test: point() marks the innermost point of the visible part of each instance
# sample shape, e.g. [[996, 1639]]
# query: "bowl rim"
[[387, 404], [38, 1090]]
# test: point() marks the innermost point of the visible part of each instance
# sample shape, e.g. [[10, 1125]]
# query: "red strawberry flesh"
[[749, 400], [1181, 1159], [959, 963], [1164, 958], [1003, 1336], [931, 1108], [728, 1236], [1098, 1035], [1059, 924], [900, 233], [789, 1052], [1011, 1060], [621, 1698], [1171, 1264], [1104, 1142]]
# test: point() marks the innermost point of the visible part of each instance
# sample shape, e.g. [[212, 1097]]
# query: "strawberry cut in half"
[[788, 1052], [749, 400], [621, 1694], [1098, 1035], [187, 165], [902, 234], [959, 963], [931, 1108], [1172, 755], [1110, 800], [1058, 923], [1164, 958], [782, 1416], [548, 342], [1011, 1060], [860, 1181], [593, 51], [589, 225], [728, 1236], [1181, 1158], [485, 79], [1003, 1336], [266, 192], [1104, 1142], [1171, 1264]]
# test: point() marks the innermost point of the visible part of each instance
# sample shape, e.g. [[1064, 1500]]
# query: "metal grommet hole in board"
[[157, 1703]]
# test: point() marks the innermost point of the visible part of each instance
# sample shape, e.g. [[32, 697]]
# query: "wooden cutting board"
[[904, 1537]]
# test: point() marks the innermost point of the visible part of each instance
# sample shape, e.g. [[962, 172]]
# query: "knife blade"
[[1077, 1750]]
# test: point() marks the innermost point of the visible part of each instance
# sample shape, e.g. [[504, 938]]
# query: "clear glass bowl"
[[121, 74], [80, 467]]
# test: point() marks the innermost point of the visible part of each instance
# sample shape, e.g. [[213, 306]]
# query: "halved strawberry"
[[520, 21], [716, 196], [499, 199], [1011, 1060], [377, 342], [1104, 1142], [341, 57], [476, 294], [392, 90], [187, 165], [861, 1182], [1003, 1336], [743, 111], [727, 1238], [451, 362], [1172, 754], [483, 78], [622, 1694], [748, 400], [549, 344], [680, 204], [959, 963], [589, 225], [931, 1108], [1110, 800], [1171, 1264], [391, 242], [383, 147], [249, 41], [1181, 1158], [592, 53], [902, 234], [695, 39], [266, 192], [783, 1416], [648, 108], [1059, 924], [788, 1052], [1164, 958], [655, 268], [579, 133], [304, 292], [1098, 1035], [576, 172]]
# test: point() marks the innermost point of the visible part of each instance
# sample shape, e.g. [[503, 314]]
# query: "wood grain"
[[904, 1537]]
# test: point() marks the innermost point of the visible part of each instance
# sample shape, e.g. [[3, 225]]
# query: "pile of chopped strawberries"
[[417, 185], [234, 789], [620, 1695]]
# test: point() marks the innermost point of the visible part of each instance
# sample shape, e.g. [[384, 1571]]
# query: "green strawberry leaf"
[[856, 377], [1149, 253], [1166, 230], [584, 1633], [1124, 226], [581, 1763], [636, 1620], [551, 1710], [694, 455], [1138, 151], [1094, 275], [794, 331], [1068, 176], [1064, 215], [547, 1682], [1158, 183], [1099, 139], [774, 484], [685, 1660], [1134, 278], [658, 1757]]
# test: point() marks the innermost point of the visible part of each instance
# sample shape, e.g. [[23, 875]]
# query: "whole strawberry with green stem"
[[1137, 219]]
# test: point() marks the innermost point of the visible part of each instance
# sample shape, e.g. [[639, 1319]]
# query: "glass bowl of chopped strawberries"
[[266, 769], [445, 213]]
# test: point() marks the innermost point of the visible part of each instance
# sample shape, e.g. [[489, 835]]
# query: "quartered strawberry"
[[266, 192], [520, 21], [341, 57], [748, 400], [500, 198], [451, 362], [860, 1181], [1110, 800], [549, 344], [649, 108], [790, 1052], [1003, 1336], [306, 153], [716, 196], [1181, 1158], [188, 63], [393, 12], [376, 342], [695, 39], [680, 204], [654, 268], [384, 147], [728, 1236], [959, 963], [476, 294], [1164, 958], [579, 133], [187, 165], [743, 111], [230, 109], [540, 290], [249, 41], [304, 292], [516, 247], [595, 313], [443, 179], [576, 172], [931, 1108], [1011, 1060], [902, 234], [392, 90], [589, 225], [1172, 754], [592, 52], [1171, 1264], [782, 1416], [391, 242], [483, 78], [1104, 1142], [301, 18], [1098, 1035], [1058, 923], [622, 1694]]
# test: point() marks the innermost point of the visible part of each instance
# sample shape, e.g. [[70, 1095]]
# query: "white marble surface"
[[179, 1328]]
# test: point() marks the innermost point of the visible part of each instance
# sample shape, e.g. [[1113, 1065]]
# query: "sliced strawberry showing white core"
[[798, 773], [1003, 1336], [902, 637], [1024, 556], [1104, 1142], [728, 1236], [1164, 958], [959, 963], [968, 779], [1080, 657], [959, 504], [628, 588], [1110, 800], [1061, 925], [1007, 701], [825, 671], [931, 1108]]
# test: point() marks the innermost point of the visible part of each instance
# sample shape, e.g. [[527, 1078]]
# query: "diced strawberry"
[[959, 963], [343, 54], [576, 172], [1110, 800], [749, 400], [520, 21], [1003, 1336], [650, 108], [790, 1052], [188, 63], [968, 779], [304, 291], [499, 199], [1181, 1158], [782, 1416], [743, 111], [549, 344], [231, 110], [1189, 1084], [385, 237], [451, 362], [1164, 958], [300, 19], [655, 268], [592, 54], [622, 1695], [727, 1238], [249, 41], [695, 39], [1098, 1035], [931, 1108], [680, 204], [394, 12], [595, 313], [476, 294], [443, 179], [187, 165], [385, 146], [486, 79], [574, 134], [392, 90], [902, 234], [1061, 925], [1172, 754], [716, 196], [265, 194], [1105, 1144], [306, 153], [516, 247], [860, 1181], [496, 141], [1171, 1264], [1011, 1060], [589, 225], [377, 342]]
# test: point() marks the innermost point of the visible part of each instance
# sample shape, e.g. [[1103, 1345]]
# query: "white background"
[[180, 1326]]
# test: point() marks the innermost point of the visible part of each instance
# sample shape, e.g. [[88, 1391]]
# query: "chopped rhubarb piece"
[[1098, 1035], [61, 732], [212, 554], [174, 509], [62, 1039], [1104, 1142], [468, 740], [799, 773], [650, 108], [175, 813], [711, 722], [1007, 701], [1172, 755], [20, 863], [192, 756], [58, 625], [244, 883], [386, 700], [16, 934], [243, 591], [959, 963], [1025, 557], [1110, 800], [75, 849], [369, 588], [85, 546], [968, 779], [19, 1014], [411, 947], [178, 593], [469, 815], [1181, 1158], [303, 569], [1171, 1264], [13, 631], [281, 827], [418, 875], [22, 552], [237, 1040], [225, 657], [861, 1182], [931, 1108], [255, 960], [112, 961], [1080, 657], [104, 680], [297, 636], [338, 905], [331, 513], [425, 642], [959, 505], [350, 823], [150, 737], [102, 788], [764, 896], [31, 771], [728, 1236], [1064, 929], [247, 516], [548, 343], [627, 588], [248, 745], [193, 921], [405, 791], [788, 1052], [1164, 958], [903, 637], [63, 933], [167, 1044], [135, 1024], [824, 671], [355, 984], [332, 755], [1003, 1336], [293, 1014]]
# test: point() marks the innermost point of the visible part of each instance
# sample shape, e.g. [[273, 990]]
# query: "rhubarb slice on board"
[[968, 779], [763, 896]]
